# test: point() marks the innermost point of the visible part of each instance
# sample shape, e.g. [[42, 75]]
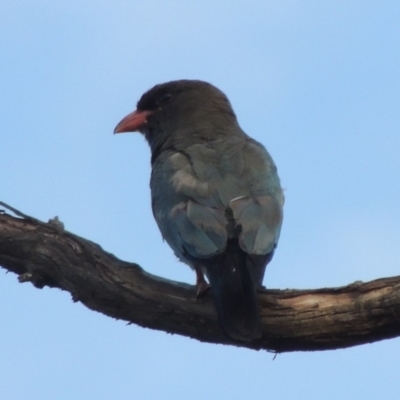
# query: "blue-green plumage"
[[216, 196]]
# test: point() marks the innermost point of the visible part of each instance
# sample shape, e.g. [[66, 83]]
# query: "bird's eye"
[[164, 98]]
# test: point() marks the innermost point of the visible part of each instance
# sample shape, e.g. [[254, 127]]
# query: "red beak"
[[132, 122]]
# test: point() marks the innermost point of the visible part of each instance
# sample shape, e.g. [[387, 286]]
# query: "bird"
[[216, 195]]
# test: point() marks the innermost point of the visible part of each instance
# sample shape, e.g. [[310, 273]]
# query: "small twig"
[[19, 213], [55, 222]]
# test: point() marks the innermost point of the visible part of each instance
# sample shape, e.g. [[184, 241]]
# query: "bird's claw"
[[201, 284], [201, 288]]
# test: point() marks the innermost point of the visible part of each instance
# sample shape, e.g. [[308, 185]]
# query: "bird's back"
[[228, 180]]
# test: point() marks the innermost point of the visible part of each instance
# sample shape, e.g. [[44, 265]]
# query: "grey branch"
[[293, 320]]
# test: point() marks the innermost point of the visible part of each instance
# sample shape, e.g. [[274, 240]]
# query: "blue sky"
[[317, 82]]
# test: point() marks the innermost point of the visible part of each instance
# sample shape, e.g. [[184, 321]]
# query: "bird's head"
[[178, 108]]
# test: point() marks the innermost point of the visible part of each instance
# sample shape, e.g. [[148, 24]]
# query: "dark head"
[[179, 110]]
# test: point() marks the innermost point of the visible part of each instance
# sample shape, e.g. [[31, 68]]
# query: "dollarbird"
[[216, 195]]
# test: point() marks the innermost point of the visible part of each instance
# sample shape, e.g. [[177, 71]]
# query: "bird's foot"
[[201, 284], [201, 289]]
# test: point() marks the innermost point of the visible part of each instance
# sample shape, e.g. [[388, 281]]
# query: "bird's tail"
[[235, 296]]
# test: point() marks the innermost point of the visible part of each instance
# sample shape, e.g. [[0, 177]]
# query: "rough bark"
[[293, 320]]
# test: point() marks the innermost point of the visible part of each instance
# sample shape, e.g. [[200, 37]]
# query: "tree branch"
[[293, 320]]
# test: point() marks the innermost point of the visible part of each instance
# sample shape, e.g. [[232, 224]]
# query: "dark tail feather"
[[235, 297]]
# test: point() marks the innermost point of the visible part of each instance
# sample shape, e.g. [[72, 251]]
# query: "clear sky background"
[[317, 82]]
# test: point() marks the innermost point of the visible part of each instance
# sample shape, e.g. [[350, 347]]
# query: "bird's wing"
[[185, 208], [260, 219], [258, 211], [201, 229]]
